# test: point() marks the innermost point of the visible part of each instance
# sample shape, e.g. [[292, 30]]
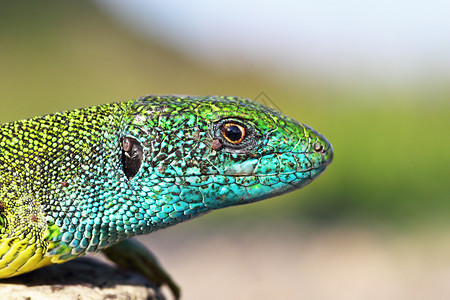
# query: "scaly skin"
[[77, 182]]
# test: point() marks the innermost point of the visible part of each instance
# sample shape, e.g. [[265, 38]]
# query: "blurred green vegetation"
[[391, 144]]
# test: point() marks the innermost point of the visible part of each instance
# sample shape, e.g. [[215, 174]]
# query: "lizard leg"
[[131, 255]]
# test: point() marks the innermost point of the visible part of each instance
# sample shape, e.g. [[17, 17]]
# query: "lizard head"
[[133, 167], [82, 180], [194, 154]]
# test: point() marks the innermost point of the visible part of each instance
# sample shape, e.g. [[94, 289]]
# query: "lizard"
[[87, 180]]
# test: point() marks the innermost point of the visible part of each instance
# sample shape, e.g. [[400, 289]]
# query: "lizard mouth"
[[251, 168], [288, 166], [227, 190]]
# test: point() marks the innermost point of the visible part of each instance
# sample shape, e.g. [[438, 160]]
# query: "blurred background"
[[372, 76]]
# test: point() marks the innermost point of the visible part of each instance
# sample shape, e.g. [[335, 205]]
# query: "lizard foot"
[[131, 255]]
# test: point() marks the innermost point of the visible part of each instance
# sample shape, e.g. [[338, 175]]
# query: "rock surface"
[[80, 279]]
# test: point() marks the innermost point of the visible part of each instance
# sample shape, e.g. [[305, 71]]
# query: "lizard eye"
[[233, 133]]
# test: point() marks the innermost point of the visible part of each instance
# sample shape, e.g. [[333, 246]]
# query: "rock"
[[80, 279]]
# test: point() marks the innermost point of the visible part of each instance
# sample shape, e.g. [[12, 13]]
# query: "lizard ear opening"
[[132, 156]]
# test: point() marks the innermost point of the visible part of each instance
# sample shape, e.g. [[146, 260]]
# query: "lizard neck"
[[112, 217]]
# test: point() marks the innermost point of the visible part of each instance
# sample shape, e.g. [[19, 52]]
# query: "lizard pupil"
[[233, 133]]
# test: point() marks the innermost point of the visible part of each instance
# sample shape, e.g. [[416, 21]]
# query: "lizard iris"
[[86, 180]]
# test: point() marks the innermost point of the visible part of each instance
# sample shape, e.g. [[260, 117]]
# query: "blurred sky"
[[388, 41]]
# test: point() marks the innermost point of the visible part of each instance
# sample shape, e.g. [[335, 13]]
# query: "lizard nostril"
[[132, 156], [318, 147]]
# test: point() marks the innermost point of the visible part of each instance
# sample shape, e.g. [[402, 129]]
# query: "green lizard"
[[87, 180]]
